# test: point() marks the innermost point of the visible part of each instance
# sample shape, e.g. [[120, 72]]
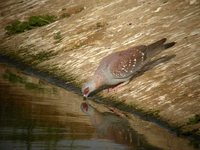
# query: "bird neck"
[[98, 80]]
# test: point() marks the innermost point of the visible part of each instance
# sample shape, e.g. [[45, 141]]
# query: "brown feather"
[[127, 62]]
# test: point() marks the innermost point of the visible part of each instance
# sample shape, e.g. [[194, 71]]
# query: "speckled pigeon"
[[120, 67]]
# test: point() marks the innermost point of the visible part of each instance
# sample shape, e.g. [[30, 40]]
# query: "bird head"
[[87, 88]]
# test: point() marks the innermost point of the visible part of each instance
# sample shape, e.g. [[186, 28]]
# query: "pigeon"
[[119, 67]]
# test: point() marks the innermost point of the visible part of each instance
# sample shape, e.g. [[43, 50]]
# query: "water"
[[37, 115]]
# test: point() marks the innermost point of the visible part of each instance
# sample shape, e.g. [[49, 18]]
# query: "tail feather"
[[157, 44], [168, 45], [157, 47]]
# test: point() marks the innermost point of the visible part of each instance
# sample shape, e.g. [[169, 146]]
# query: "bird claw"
[[111, 90], [114, 89]]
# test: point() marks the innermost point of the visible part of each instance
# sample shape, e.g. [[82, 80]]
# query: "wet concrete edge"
[[5, 59]]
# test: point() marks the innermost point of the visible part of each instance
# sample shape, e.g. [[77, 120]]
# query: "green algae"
[[28, 56], [16, 79], [18, 26], [194, 120], [57, 37], [32, 86], [33, 22], [13, 78], [42, 56]]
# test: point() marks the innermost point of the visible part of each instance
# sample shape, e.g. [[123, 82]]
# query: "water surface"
[[37, 115]]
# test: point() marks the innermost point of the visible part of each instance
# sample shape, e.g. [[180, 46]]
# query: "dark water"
[[37, 115]]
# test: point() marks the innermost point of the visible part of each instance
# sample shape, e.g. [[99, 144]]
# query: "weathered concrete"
[[170, 90]]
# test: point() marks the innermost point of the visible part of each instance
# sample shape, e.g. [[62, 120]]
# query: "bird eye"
[[86, 91]]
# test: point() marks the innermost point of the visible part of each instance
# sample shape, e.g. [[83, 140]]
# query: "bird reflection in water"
[[111, 126]]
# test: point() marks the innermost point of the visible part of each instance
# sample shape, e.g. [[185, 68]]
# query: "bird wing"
[[125, 63]]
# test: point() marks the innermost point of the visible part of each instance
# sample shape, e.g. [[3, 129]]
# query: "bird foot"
[[111, 90]]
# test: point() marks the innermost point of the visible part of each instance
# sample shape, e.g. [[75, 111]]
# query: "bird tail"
[[157, 47]]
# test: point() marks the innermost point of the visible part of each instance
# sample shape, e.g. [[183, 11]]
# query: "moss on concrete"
[[18, 26], [194, 120], [16, 79], [42, 56], [28, 55], [13, 78], [33, 22], [57, 37]]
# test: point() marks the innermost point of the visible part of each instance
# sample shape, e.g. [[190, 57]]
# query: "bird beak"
[[84, 97]]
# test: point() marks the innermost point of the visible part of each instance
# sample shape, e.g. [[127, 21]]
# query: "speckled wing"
[[126, 63]]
